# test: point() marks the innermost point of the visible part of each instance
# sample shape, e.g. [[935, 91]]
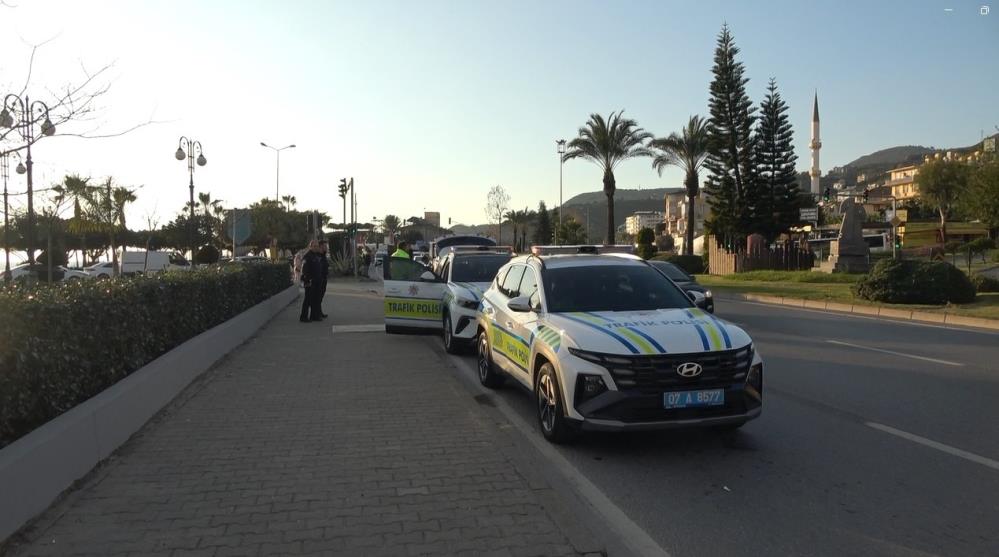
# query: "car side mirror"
[[520, 304], [696, 297], [427, 276]]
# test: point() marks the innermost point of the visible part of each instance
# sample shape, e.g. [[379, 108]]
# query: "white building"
[[678, 215], [642, 219]]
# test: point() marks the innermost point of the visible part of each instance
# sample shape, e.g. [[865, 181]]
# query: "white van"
[[143, 262]]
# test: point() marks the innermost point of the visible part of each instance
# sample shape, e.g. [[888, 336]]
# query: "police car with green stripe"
[[608, 342]]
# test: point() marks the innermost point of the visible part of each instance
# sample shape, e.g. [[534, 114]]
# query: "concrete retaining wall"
[[37, 468]]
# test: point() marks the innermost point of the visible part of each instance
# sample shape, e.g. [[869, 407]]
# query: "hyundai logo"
[[689, 369]]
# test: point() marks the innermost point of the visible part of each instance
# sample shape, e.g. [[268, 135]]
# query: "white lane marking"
[[627, 531], [893, 353], [380, 327], [978, 459], [845, 315]]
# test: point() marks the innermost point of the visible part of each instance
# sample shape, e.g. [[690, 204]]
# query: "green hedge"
[[65, 343], [693, 264], [906, 281], [985, 284]]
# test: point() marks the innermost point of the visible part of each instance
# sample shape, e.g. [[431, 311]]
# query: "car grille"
[[657, 373]]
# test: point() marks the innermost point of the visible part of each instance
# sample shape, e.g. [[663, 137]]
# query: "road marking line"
[[914, 357], [984, 461], [380, 327], [631, 534]]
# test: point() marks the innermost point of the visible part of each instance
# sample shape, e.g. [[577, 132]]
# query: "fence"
[[781, 257]]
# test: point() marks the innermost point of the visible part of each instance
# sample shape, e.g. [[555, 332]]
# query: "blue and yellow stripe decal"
[[639, 337], [717, 323], [549, 336], [588, 321]]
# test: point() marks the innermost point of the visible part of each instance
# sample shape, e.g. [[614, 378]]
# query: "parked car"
[[25, 271], [102, 270], [686, 282], [70, 275], [142, 262], [608, 343]]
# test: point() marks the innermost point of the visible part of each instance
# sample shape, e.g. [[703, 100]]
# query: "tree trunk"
[[609, 188], [943, 226], [691, 184]]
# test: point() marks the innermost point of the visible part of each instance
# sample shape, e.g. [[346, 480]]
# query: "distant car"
[[70, 275], [686, 282], [143, 262], [40, 272], [103, 270], [245, 259]]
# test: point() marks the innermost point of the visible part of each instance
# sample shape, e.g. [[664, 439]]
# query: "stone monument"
[[849, 253]]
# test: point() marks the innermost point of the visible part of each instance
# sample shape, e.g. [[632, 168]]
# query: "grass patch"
[[986, 305], [811, 277]]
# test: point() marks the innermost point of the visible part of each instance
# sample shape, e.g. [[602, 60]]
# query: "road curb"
[[875, 311]]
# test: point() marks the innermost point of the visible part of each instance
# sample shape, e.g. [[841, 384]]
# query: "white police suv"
[[444, 297], [607, 342]]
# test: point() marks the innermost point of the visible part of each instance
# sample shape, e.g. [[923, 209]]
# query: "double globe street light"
[[187, 148], [22, 115]]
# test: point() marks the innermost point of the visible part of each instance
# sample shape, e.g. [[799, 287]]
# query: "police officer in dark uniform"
[[311, 279], [324, 272]]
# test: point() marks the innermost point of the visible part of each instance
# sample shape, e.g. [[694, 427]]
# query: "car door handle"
[[509, 324]]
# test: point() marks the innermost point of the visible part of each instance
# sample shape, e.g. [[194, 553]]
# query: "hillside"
[[888, 158]]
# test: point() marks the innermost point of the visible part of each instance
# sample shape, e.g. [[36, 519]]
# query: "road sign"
[[895, 221], [902, 214], [811, 214], [241, 230]]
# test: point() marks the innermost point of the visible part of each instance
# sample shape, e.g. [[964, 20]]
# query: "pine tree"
[[777, 191], [543, 230], [730, 186]]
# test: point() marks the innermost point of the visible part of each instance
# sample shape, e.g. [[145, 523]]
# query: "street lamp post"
[[277, 179], [187, 148], [5, 172], [23, 114], [560, 147]]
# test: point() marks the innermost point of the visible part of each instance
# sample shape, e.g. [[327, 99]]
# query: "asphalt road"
[[877, 438]]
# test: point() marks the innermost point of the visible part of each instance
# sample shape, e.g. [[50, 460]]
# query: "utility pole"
[[353, 230]]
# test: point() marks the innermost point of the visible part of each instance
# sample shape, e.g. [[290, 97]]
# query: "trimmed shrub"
[[693, 264], [208, 255], [65, 343], [905, 281], [645, 251], [985, 284]]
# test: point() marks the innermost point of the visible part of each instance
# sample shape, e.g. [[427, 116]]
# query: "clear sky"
[[429, 103]]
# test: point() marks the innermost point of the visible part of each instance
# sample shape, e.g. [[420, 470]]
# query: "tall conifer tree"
[[777, 194], [731, 181]]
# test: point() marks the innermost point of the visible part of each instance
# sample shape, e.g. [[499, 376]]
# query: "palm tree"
[[687, 151], [74, 189], [607, 143], [391, 225], [107, 211], [513, 217], [289, 201]]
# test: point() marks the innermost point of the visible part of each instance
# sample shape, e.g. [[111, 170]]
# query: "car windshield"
[[671, 270], [610, 288], [477, 268]]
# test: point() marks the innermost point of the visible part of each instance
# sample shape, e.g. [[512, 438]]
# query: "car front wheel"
[[551, 412], [451, 344], [488, 375]]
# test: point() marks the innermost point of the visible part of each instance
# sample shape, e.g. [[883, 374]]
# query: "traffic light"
[[826, 194], [343, 188], [898, 242]]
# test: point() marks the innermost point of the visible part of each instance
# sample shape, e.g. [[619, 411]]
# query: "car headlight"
[[755, 378], [468, 304], [588, 387], [707, 294]]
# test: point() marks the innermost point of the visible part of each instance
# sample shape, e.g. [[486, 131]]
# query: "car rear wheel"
[[451, 344], [551, 412], [489, 376]]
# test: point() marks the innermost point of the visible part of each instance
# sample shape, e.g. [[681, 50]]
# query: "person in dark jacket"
[[311, 279], [324, 267]]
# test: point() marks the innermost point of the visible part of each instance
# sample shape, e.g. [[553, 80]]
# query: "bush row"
[[64, 343]]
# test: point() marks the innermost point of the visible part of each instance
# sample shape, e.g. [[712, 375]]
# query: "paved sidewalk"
[[303, 441]]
